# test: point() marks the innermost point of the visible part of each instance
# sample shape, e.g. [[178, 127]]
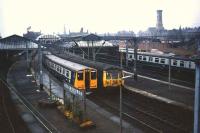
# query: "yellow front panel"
[[93, 84], [80, 84]]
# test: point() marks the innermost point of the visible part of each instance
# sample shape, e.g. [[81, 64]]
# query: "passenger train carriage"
[[78, 75], [81, 76], [160, 59]]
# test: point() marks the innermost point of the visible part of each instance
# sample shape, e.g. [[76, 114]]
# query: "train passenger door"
[[87, 80]]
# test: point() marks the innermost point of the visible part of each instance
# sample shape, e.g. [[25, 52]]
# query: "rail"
[[40, 118]]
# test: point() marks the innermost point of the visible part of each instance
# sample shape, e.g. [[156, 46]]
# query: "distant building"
[[159, 25], [125, 33], [74, 33], [31, 35], [78, 33]]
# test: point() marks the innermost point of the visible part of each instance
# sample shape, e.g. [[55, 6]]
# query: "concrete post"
[[50, 91], [64, 93], [93, 51], [197, 92], [120, 109], [40, 65], [121, 54], [120, 97], [169, 75], [135, 61], [126, 55], [27, 56], [88, 50], [83, 55], [84, 102]]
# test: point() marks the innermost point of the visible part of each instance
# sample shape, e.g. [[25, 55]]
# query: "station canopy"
[[16, 42]]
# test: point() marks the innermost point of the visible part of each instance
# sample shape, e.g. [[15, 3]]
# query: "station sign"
[[73, 90]]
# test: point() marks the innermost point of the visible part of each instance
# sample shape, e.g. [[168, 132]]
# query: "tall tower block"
[[159, 25]]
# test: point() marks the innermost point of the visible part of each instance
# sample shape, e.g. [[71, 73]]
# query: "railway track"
[[49, 127], [143, 117], [5, 110]]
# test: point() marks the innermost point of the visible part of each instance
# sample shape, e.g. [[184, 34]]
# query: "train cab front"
[[86, 79], [112, 79]]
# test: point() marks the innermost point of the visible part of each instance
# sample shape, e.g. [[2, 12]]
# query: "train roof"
[[89, 63], [68, 64]]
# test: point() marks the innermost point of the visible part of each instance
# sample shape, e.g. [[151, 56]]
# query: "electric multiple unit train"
[[161, 60], [81, 76]]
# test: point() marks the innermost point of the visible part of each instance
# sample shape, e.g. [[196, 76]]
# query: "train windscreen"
[[80, 75], [93, 74], [114, 74]]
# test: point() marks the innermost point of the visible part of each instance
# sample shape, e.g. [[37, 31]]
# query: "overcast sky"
[[95, 15]]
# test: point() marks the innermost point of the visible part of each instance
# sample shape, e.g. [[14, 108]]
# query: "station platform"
[[105, 121], [174, 94]]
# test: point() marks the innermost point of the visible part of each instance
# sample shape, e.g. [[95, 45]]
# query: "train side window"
[[58, 68], [66, 73], [61, 70], [162, 61], [156, 60], [181, 63], [140, 57], [174, 62], [150, 58], [144, 58], [80, 75], [189, 64], [93, 74]]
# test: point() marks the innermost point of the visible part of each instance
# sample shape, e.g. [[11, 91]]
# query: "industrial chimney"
[[159, 25]]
